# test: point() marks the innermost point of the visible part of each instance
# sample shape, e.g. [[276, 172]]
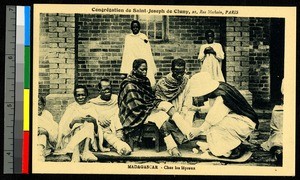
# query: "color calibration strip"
[[25, 155]]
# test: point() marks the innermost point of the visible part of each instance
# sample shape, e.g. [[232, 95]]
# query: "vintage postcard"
[[122, 90]]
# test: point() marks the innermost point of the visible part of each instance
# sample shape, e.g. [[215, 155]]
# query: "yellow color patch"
[[26, 111]]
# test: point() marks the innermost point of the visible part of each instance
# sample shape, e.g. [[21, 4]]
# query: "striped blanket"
[[168, 88], [136, 101]]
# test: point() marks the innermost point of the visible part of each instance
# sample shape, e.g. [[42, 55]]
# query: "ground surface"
[[148, 154]]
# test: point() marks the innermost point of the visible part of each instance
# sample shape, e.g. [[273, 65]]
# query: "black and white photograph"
[[140, 89]]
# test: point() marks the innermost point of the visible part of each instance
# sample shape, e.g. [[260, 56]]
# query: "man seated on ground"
[[138, 106], [230, 119], [108, 119], [47, 130], [174, 88], [78, 127]]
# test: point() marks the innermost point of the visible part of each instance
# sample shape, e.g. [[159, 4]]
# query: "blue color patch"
[[27, 25]]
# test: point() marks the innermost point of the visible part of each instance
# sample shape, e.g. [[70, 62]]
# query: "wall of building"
[[259, 59], [57, 61], [101, 40], [67, 59]]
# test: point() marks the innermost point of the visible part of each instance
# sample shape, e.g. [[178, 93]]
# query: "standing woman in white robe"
[[211, 54], [137, 46]]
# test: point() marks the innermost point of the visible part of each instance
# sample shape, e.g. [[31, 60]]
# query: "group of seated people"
[[169, 105]]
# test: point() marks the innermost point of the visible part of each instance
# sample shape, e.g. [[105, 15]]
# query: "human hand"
[[212, 51], [206, 51], [104, 123], [78, 118], [89, 118], [209, 50], [160, 108], [42, 131], [195, 108]]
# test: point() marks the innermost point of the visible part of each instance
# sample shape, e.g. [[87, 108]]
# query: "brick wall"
[[99, 47], [44, 76], [237, 52], [101, 39], [57, 60], [57, 52], [186, 34], [237, 55], [259, 59]]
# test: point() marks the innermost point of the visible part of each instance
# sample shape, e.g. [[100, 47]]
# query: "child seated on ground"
[[47, 130]]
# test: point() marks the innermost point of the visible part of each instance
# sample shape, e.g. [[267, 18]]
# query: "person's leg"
[[122, 147], [189, 117], [101, 140], [85, 131], [170, 143], [181, 123], [178, 136], [88, 131], [76, 154], [87, 155], [42, 142], [160, 119]]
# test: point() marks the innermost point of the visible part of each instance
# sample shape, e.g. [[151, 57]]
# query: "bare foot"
[[103, 149], [174, 152], [61, 151], [203, 146], [88, 156], [124, 151], [75, 158], [123, 148]]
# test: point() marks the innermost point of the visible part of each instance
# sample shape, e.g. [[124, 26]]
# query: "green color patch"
[[27, 68]]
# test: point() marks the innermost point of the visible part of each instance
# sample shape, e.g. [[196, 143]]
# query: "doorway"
[[276, 59]]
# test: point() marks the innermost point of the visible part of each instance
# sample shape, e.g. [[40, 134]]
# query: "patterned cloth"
[[168, 88], [177, 93], [136, 101]]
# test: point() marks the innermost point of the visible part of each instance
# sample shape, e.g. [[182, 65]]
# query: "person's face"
[[105, 91], [142, 70], [80, 96], [210, 38], [178, 72], [135, 28], [41, 107]]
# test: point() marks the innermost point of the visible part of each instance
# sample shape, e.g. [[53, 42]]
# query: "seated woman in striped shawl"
[[138, 106]]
